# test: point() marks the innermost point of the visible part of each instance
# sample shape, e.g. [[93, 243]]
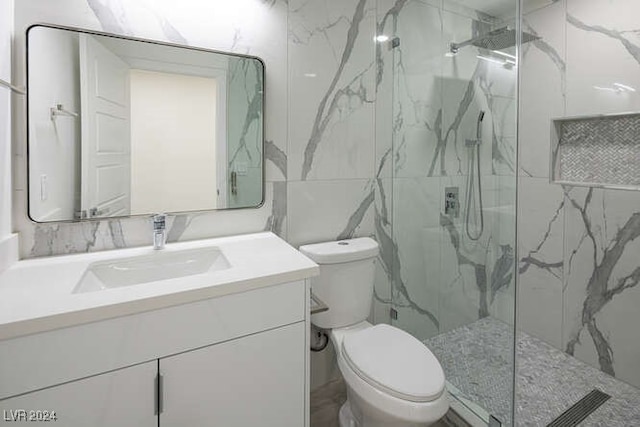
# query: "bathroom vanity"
[[227, 346]]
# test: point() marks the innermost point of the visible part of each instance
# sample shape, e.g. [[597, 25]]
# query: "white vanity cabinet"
[[252, 381], [236, 360], [120, 398]]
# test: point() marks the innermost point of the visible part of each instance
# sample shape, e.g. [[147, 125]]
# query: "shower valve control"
[[452, 202]]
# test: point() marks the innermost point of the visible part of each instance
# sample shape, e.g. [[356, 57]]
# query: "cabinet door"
[[121, 398], [258, 380]]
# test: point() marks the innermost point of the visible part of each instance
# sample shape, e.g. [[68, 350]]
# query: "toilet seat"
[[394, 362]]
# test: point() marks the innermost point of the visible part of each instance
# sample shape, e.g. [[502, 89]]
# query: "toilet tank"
[[345, 282]]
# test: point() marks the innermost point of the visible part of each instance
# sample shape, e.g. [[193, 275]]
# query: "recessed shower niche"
[[597, 151]]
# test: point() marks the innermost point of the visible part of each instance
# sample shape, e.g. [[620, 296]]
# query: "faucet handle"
[[159, 221], [159, 235]]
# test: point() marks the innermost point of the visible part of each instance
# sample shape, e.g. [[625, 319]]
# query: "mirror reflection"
[[121, 127]]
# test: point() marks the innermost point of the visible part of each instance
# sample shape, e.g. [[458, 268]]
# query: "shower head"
[[499, 39]]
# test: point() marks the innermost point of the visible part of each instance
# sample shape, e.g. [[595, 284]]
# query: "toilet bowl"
[[392, 379]]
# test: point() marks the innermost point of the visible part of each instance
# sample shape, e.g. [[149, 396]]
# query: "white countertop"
[[37, 295]]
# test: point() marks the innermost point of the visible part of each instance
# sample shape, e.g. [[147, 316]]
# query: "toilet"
[[392, 379]]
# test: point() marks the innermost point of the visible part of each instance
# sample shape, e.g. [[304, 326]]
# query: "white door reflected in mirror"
[[165, 175]]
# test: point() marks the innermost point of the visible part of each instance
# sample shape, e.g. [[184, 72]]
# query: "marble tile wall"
[[579, 263]]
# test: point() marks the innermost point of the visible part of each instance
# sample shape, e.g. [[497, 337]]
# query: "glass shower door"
[[453, 195]]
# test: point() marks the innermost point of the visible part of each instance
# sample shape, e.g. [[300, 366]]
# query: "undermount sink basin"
[[157, 266]]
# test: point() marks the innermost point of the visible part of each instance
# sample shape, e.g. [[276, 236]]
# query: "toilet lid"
[[395, 362]]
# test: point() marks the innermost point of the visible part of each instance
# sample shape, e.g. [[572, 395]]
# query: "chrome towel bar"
[[16, 89]]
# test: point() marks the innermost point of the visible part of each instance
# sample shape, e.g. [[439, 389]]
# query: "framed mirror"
[[120, 126]]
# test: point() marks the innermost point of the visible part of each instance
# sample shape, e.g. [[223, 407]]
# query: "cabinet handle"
[[234, 183], [159, 394]]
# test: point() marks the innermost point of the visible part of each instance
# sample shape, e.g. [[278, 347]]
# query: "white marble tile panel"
[[387, 22], [478, 276], [471, 85], [58, 238], [328, 210], [501, 262], [388, 250], [602, 271], [542, 87], [464, 273], [540, 267], [602, 50], [411, 321], [478, 10], [416, 231], [503, 111], [417, 91], [541, 220], [620, 321], [529, 6], [332, 89], [503, 155], [540, 306]]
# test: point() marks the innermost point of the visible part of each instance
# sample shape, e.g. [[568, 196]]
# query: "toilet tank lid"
[[341, 251]]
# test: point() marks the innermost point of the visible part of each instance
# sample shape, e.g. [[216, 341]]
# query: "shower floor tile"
[[476, 359]]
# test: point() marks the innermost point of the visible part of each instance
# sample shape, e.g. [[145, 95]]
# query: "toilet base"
[[345, 417]]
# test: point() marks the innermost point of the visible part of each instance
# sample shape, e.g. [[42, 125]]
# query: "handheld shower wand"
[[478, 127], [479, 219]]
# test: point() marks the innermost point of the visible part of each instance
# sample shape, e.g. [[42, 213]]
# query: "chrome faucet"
[[159, 231]]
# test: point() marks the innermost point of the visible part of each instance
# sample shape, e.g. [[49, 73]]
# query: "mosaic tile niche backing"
[[599, 151]]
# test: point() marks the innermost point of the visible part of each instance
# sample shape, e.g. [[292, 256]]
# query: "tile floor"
[[327, 400], [476, 359]]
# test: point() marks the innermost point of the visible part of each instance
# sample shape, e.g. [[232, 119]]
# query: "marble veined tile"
[[417, 91], [49, 239], [417, 231], [471, 10], [602, 53], [541, 236], [529, 6], [383, 223], [473, 82], [540, 267], [320, 211], [542, 87], [602, 273], [331, 89], [465, 271], [387, 19]]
